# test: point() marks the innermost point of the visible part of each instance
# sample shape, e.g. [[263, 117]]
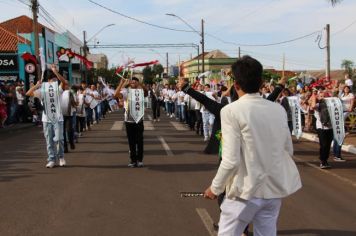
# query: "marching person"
[[257, 169], [50, 93], [156, 109], [133, 97]]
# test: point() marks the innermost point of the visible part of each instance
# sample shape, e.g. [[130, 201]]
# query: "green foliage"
[[158, 70], [108, 75], [150, 73], [267, 76], [348, 66]]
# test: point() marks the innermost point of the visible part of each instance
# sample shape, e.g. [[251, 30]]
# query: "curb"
[[314, 138]]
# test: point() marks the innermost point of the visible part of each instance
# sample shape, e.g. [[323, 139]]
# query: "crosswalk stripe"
[[207, 220], [178, 126], [117, 125], [148, 125]]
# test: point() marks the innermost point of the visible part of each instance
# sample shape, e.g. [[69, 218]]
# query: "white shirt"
[[65, 103], [20, 98], [349, 83], [257, 151], [347, 101], [38, 94]]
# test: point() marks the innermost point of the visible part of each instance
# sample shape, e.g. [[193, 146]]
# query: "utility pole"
[[198, 60], [239, 52], [202, 48], [85, 55], [34, 8], [284, 64], [167, 62], [328, 51]]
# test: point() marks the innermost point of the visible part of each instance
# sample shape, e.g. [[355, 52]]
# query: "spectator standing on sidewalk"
[[49, 93], [3, 112]]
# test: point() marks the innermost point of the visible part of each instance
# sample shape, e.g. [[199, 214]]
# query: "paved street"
[[97, 194]]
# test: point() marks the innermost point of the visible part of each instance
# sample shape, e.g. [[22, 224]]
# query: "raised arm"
[[211, 105], [33, 88], [277, 90], [123, 83], [59, 76]]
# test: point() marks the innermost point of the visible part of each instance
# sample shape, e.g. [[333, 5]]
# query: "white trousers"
[[236, 215]]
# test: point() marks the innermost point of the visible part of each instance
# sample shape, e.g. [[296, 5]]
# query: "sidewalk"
[[348, 146]]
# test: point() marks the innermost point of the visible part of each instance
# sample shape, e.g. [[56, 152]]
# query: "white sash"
[[50, 95], [337, 118], [136, 104], [296, 116]]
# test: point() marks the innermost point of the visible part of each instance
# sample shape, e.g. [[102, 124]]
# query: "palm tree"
[[334, 2]]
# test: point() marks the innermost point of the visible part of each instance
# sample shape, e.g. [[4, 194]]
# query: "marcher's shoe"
[[216, 226], [325, 166], [339, 159], [140, 164], [158, 119], [72, 146], [154, 120], [206, 139], [62, 162], [50, 164], [132, 164]]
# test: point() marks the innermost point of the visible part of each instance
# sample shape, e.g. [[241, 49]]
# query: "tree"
[[334, 2], [348, 66], [148, 75], [158, 70]]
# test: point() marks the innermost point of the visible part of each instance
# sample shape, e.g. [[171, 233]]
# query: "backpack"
[[324, 114]]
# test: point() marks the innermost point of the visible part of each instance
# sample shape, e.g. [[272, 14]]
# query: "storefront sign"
[[8, 62]]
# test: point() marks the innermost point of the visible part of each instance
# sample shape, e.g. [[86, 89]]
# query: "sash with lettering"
[[50, 95], [136, 104], [337, 118], [296, 116]]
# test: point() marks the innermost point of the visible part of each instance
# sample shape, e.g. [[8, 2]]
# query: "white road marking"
[[346, 180], [165, 146], [178, 126], [149, 117], [117, 125], [148, 125], [207, 220]]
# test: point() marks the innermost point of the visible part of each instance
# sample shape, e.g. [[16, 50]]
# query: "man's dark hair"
[[247, 72], [207, 85], [48, 74], [135, 78]]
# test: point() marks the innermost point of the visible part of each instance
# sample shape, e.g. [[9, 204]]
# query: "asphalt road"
[[97, 194]]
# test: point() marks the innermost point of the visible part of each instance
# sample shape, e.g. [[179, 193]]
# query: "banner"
[[50, 96], [337, 118], [296, 116], [136, 104]]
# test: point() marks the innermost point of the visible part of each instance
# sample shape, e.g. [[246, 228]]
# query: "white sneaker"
[[171, 116], [50, 164], [62, 162], [140, 164], [206, 139], [154, 120], [158, 119]]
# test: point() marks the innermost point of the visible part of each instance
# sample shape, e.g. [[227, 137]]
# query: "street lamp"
[[85, 46], [201, 34]]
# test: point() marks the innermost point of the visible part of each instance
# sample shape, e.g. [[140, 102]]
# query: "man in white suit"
[[257, 169]]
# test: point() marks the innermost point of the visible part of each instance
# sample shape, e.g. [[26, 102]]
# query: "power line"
[[264, 45], [140, 21], [344, 29]]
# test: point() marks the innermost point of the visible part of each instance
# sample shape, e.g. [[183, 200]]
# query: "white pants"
[[208, 121], [236, 215]]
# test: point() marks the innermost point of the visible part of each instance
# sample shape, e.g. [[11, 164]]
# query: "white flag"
[[337, 118], [296, 116], [136, 104]]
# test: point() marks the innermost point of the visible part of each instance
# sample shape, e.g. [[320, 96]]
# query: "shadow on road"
[[316, 232], [196, 167]]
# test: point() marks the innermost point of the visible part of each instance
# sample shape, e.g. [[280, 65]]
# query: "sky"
[[228, 25]]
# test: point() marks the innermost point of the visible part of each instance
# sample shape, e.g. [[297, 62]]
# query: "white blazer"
[[257, 151]]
